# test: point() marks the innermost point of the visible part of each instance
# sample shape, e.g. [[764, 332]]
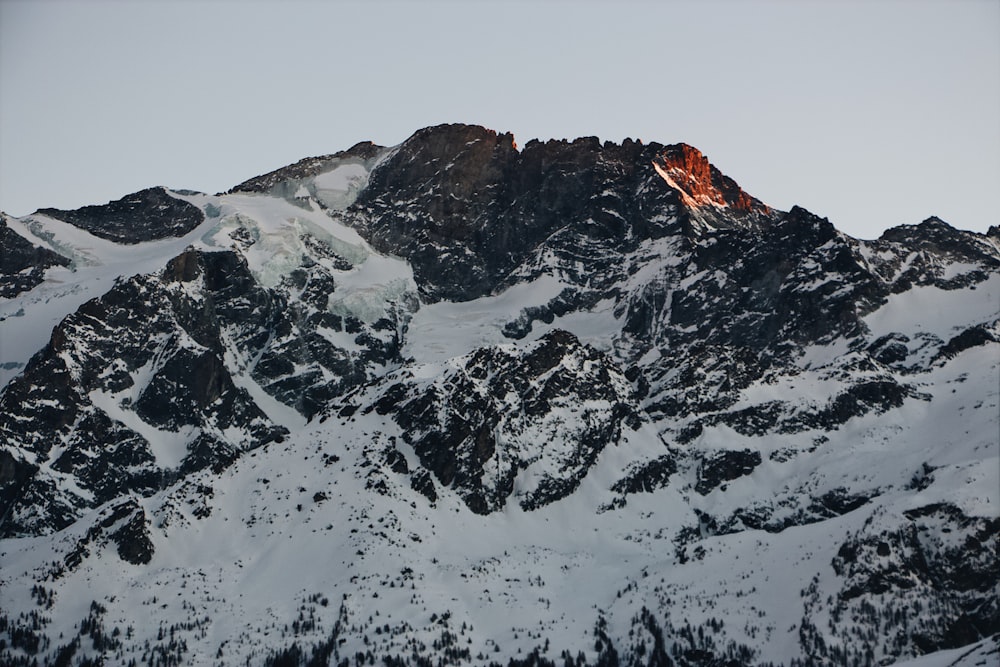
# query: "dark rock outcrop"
[[665, 330], [491, 412], [725, 466], [147, 215], [920, 255]]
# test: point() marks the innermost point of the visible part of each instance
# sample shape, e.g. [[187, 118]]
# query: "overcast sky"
[[872, 113]]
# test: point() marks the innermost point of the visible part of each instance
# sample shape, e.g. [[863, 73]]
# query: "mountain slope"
[[461, 401]]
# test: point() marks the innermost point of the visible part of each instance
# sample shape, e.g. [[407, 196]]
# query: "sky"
[[872, 114]]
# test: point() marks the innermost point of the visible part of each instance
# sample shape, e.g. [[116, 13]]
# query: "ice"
[[368, 290], [445, 329], [339, 188]]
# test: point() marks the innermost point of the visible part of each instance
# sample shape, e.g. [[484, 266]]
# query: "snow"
[[956, 269], [280, 229], [249, 564], [97, 263], [444, 330], [932, 310], [168, 447], [266, 543], [985, 653], [685, 197], [276, 411]]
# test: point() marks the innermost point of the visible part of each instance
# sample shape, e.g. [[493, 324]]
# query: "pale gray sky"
[[870, 113]]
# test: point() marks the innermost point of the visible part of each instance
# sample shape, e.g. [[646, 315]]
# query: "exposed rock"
[[465, 207], [476, 427], [311, 166], [703, 187], [971, 337], [147, 215], [647, 477], [920, 254], [724, 466], [939, 556], [890, 349], [144, 330], [794, 283], [22, 263], [132, 539]]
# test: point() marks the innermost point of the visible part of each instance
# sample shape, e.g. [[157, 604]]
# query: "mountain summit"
[[462, 402]]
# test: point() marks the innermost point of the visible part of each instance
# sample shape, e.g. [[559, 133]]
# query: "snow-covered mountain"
[[462, 402]]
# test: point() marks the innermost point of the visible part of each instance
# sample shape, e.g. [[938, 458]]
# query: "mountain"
[[458, 401]]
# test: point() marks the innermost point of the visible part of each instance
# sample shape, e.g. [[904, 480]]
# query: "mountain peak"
[[458, 132], [476, 206], [363, 151], [701, 184]]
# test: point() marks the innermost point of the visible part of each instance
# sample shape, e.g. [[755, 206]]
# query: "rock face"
[[701, 184], [470, 391], [725, 466], [147, 215], [22, 263], [477, 426], [930, 248], [918, 564], [152, 346], [161, 350], [466, 207]]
